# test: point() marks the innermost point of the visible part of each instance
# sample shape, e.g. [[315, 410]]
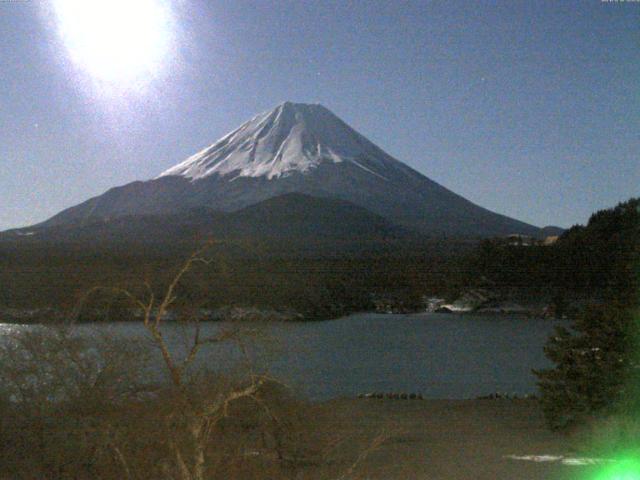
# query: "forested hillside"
[[594, 262]]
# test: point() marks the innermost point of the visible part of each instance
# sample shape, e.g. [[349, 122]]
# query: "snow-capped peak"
[[293, 137]]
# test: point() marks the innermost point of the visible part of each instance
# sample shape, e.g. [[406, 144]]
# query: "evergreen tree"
[[594, 362], [597, 360]]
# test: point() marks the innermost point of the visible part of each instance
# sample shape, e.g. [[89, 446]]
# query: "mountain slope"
[[281, 219], [299, 148]]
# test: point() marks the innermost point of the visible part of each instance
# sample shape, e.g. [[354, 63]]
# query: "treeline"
[[324, 278], [597, 360], [595, 262], [317, 279]]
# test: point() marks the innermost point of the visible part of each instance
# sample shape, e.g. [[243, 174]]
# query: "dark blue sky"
[[528, 108]]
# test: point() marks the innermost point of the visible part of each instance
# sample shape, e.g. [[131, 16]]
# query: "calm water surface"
[[438, 355]]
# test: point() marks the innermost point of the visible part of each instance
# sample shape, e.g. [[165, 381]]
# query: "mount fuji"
[[297, 149]]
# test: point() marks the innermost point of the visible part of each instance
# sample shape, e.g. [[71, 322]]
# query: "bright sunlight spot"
[[116, 41]]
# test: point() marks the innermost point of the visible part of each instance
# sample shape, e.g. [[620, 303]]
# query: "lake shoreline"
[[446, 439], [243, 314]]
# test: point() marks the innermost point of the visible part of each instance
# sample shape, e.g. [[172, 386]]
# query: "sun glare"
[[116, 41]]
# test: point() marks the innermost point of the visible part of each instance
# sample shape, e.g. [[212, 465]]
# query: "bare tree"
[[199, 413], [97, 416]]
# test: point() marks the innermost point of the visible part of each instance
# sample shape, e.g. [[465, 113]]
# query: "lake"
[[439, 355]]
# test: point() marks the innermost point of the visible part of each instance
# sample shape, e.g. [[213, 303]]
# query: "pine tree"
[[597, 360], [594, 362]]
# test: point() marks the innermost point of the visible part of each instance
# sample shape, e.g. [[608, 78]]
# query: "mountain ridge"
[[299, 148], [285, 217]]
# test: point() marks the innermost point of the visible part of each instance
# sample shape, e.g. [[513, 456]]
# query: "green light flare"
[[625, 469]]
